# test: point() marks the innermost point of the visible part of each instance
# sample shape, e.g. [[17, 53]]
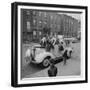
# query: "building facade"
[[35, 24]]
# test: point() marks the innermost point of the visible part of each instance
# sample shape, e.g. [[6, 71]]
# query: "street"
[[72, 66]]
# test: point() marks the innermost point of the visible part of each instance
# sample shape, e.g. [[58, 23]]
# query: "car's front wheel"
[[46, 62]]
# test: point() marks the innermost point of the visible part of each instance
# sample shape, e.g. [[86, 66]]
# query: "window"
[[28, 25], [72, 22], [28, 12], [45, 14], [40, 33], [34, 33], [40, 23], [34, 12], [45, 22], [34, 22], [40, 13], [51, 17]]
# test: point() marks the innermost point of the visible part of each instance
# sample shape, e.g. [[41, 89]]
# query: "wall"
[[5, 46]]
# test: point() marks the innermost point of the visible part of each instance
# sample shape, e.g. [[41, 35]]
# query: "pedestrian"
[[52, 72], [61, 48], [65, 57], [43, 41]]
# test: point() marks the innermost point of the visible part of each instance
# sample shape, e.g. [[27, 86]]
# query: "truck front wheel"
[[46, 62]]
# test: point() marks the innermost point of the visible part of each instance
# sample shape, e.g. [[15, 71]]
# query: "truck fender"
[[39, 58]]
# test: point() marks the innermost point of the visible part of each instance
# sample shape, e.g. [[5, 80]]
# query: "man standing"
[[65, 57], [52, 72]]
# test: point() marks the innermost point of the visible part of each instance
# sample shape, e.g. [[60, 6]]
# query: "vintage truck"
[[39, 55]]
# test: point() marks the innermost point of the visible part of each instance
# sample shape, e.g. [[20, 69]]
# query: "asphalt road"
[[72, 67]]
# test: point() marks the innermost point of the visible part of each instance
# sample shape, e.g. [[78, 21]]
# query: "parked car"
[[39, 55], [71, 39], [74, 40]]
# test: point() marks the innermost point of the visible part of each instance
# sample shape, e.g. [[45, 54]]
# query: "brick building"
[[70, 26], [35, 24]]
